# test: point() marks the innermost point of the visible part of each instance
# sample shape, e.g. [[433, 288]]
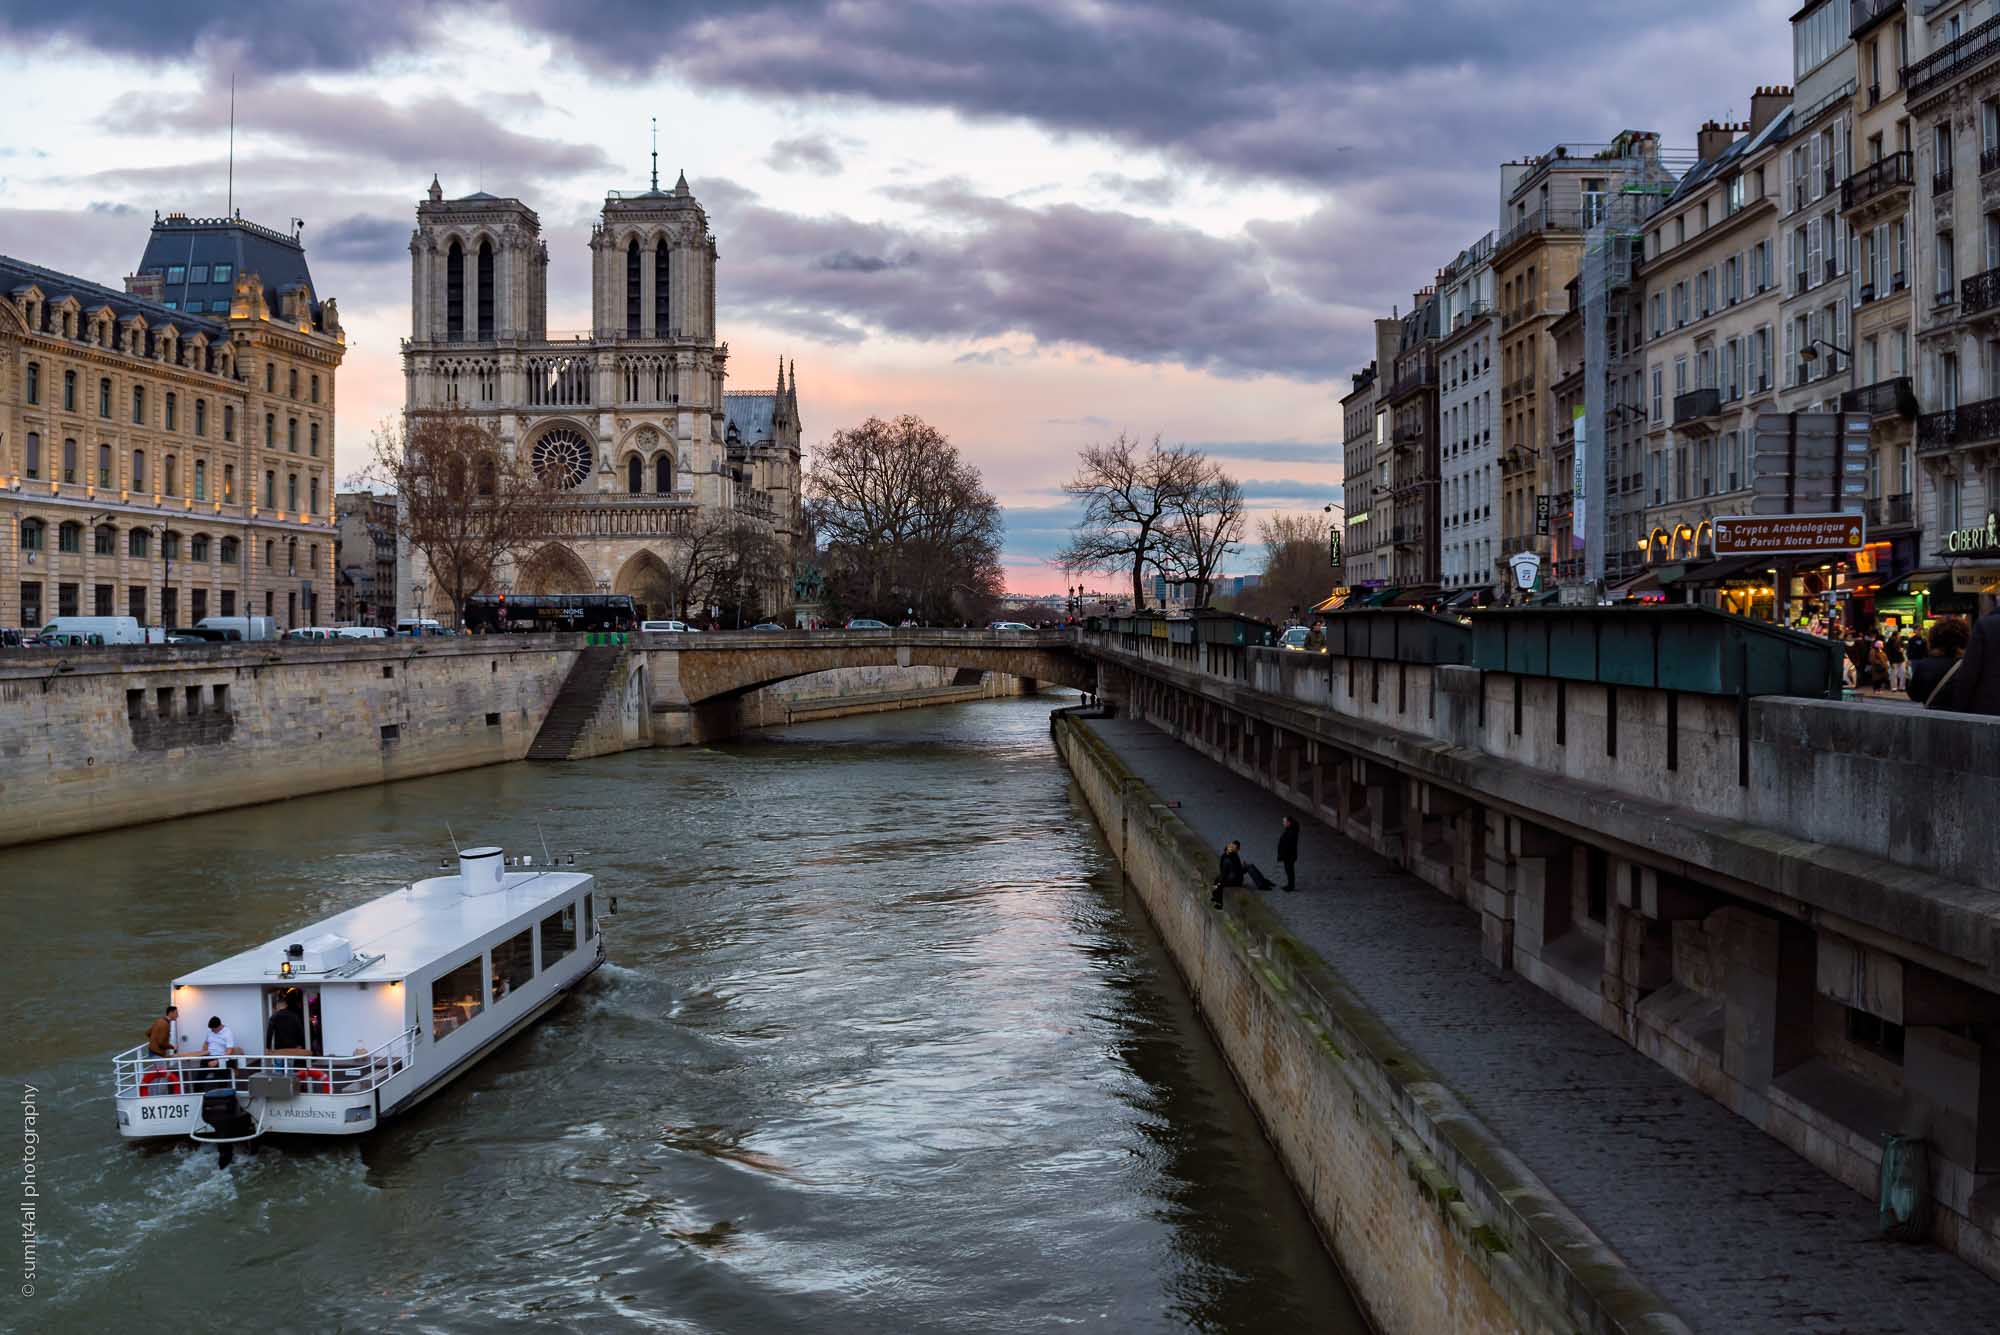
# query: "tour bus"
[[486, 613]]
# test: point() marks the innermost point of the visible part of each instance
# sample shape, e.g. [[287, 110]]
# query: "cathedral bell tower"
[[652, 265], [479, 270]]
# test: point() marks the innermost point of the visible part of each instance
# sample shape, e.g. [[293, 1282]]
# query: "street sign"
[[1787, 535], [1975, 579], [1527, 566]]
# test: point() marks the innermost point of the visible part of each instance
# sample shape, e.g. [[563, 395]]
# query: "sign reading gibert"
[[1982, 540], [1787, 535]]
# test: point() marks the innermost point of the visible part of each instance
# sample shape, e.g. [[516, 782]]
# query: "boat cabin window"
[[513, 963], [589, 920], [456, 998], [558, 934]]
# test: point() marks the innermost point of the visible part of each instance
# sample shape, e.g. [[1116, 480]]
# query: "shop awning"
[[1646, 581], [1335, 603], [1376, 598], [1415, 596], [1729, 568], [1464, 598]]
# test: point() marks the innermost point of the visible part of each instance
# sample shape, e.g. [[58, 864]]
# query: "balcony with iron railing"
[[1538, 221], [1941, 180], [1410, 379], [1884, 398], [1965, 53], [1967, 424], [1896, 172], [1695, 405], [1866, 14], [1979, 293], [1888, 511]]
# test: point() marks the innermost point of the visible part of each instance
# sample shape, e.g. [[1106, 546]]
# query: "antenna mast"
[[230, 209], [656, 154]]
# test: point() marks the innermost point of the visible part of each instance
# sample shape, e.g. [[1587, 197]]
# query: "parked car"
[[767, 625], [867, 623], [663, 627], [1010, 625], [186, 635]]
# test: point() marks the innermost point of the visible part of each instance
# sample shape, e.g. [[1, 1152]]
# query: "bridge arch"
[[722, 668]]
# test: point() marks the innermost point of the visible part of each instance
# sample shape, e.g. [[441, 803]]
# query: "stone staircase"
[[590, 677]]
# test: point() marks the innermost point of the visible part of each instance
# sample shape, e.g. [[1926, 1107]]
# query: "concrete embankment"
[[101, 739], [1437, 1225]]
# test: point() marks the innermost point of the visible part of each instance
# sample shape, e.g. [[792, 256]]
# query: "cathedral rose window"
[[562, 458]]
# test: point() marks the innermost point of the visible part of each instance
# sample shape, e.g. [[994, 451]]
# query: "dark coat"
[[1976, 688], [1288, 843], [1231, 871], [1926, 673]]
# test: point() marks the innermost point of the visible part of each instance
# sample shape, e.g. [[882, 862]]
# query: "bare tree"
[[465, 503], [904, 522], [1202, 526], [1296, 574], [1129, 491]]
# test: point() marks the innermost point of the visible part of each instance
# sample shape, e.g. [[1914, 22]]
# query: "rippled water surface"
[[883, 1046]]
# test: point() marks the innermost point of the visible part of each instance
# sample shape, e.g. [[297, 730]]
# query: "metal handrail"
[[355, 1073]]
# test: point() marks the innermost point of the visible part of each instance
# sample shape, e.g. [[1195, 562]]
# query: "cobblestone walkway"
[[1732, 1228]]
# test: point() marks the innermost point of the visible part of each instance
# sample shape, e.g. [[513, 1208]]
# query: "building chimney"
[[1714, 137], [1766, 103]]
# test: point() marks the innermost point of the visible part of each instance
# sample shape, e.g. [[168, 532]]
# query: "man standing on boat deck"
[[285, 1031], [160, 1035]]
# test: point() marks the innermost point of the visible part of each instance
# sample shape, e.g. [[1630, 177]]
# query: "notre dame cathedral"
[[631, 416]]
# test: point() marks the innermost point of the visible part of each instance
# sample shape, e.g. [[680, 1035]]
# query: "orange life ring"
[[172, 1079], [307, 1079]]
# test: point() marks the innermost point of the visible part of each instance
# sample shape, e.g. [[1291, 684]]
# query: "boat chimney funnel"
[[481, 871]]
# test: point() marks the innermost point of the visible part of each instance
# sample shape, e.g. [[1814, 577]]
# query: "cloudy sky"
[[1033, 223]]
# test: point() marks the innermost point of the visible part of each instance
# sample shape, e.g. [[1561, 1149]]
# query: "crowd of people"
[[1949, 665]]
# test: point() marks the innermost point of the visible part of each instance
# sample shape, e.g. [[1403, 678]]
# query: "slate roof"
[[751, 416], [199, 244], [1722, 163], [17, 274]]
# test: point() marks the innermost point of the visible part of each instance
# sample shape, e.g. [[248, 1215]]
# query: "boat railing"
[[137, 1073]]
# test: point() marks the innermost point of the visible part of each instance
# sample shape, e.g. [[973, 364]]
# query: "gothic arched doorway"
[[646, 577], [555, 569]]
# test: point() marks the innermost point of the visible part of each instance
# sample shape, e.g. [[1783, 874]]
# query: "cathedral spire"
[[656, 155]]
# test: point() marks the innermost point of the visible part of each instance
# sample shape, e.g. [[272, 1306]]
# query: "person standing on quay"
[[1978, 688], [1288, 853]]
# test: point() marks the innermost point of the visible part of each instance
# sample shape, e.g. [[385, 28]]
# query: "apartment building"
[[1818, 302], [1412, 403], [1712, 291], [1468, 388], [1951, 90], [1875, 201], [1365, 475]]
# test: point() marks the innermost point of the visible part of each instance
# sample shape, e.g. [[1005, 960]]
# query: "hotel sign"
[[1787, 535]]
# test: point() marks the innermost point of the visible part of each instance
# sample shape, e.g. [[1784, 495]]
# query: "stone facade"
[[365, 558], [1468, 388], [630, 416], [164, 457]]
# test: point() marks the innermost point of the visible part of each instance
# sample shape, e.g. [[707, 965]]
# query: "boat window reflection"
[[456, 997], [513, 963], [558, 934]]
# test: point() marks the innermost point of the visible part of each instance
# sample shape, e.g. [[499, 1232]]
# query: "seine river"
[[883, 1046]]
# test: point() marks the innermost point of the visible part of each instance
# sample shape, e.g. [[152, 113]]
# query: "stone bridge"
[[695, 682]]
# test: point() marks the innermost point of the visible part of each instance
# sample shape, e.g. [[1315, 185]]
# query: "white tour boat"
[[390, 1002]]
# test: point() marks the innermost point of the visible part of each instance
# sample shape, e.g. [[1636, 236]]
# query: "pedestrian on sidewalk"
[[1288, 853], [1899, 666], [1978, 688], [1933, 679]]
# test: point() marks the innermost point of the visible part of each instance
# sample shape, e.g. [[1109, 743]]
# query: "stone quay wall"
[[1437, 1227]]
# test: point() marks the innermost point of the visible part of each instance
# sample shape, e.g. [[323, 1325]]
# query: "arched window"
[[229, 483], [107, 540], [33, 464], [291, 491], [139, 404], [201, 417], [635, 475], [201, 479], [69, 391], [229, 421], [138, 542], [314, 447], [292, 382], [663, 474], [312, 485], [270, 489], [662, 289], [173, 412], [454, 294], [104, 397], [485, 291], [138, 470], [69, 538], [170, 478], [69, 461], [634, 294], [34, 382], [270, 431], [103, 465], [31, 535], [292, 434]]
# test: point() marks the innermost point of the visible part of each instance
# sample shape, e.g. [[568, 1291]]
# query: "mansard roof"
[[57, 287], [179, 241]]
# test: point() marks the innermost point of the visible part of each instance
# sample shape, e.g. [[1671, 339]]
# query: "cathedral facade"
[[631, 418]]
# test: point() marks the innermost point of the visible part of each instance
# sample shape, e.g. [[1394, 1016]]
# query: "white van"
[[362, 632], [112, 630], [662, 627], [245, 628]]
